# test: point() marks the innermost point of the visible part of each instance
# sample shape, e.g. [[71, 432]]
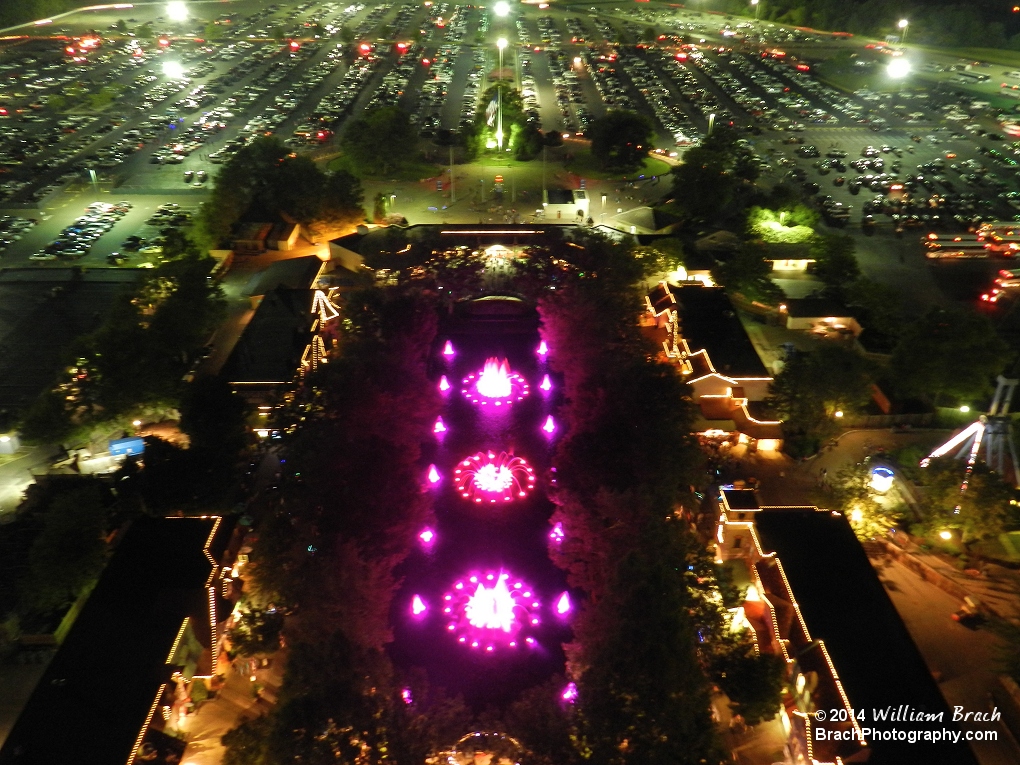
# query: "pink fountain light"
[[495, 385], [406, 695], [550, 425], [563, 605], [490, 610], [557, 533], [546, 384], [434, 476], [543, 349], [440, 426], [569, 694], [448, 349], [444, 384], [427, 537], [488, 477], [418, 607]]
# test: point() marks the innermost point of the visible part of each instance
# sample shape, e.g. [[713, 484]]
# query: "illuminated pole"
[[757, 8], [501, 44], [903, 24]]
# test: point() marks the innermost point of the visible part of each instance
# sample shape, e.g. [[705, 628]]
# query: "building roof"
[[292, 273], [708, 321], [560, 196], [741, 499], [844, 604], [92, 701], [815, 307], [269, 351]]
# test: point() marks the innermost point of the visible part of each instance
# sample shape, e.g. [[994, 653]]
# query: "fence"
[[923, 420]]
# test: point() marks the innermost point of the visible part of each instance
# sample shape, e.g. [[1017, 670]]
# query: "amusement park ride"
[[989, 437]]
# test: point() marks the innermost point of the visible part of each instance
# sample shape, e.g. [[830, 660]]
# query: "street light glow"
[[501, 43], [177, 11], [898, 68], [173, 69], [502, 8], [902, 25]]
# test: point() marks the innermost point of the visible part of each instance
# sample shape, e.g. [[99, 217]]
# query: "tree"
[[782, 226], [381, 142], [949, 354], [703, 186], [257, 631], [379, 208], [748, 272], [812, 387], [213, 31], [69, 553], [621, 139], [752, 681], [853, 496], [264, 181], [835, 263], [984, 510], [881, 306], [121, 26], [662, 256]]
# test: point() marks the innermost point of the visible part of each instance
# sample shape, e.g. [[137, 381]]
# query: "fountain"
[[495, 384], [486, 610], [486, 476]]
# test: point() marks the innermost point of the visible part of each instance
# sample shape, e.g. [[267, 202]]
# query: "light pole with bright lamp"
[[502, 9], [903, 24], [177, 11], [757, 8], [501, 43]]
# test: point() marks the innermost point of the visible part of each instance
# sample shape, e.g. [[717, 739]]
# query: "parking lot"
[[164, 109]]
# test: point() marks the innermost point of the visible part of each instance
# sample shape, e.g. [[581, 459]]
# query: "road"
[[963, 660]]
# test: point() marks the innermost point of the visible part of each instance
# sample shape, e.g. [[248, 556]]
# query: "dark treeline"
[[977, 23]]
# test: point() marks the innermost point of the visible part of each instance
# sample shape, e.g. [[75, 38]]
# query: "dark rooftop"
[[269, 351], [800, 308], [741, 499], [709, 321], [844, 604], [292, 273], [92, 701]]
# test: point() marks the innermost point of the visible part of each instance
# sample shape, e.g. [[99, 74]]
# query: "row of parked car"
[[76, 240]]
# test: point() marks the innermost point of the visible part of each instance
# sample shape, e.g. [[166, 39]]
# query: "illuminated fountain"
[[488, 477], [495, 385], [489, 610]]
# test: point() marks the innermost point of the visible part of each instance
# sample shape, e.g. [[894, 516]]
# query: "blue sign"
[[127, 446]]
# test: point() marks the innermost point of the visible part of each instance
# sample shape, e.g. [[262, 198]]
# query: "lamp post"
[[501, 43], [757, 8], [903, 24]]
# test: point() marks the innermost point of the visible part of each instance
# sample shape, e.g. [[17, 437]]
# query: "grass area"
[[991, 55], [585, 165], [416, 171]]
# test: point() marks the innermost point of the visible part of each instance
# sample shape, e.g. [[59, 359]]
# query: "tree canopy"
[[380, 142], [621, 139], [812, 387], [265, 181], [950, 354]]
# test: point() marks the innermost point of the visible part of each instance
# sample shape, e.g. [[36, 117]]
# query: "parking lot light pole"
[[757, 8], [903, 24]]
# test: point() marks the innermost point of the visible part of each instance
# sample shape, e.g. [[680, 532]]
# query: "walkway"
[[235, 702]]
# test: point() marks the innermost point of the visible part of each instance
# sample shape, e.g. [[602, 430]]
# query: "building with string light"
[[811, 596], [118, 686]]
